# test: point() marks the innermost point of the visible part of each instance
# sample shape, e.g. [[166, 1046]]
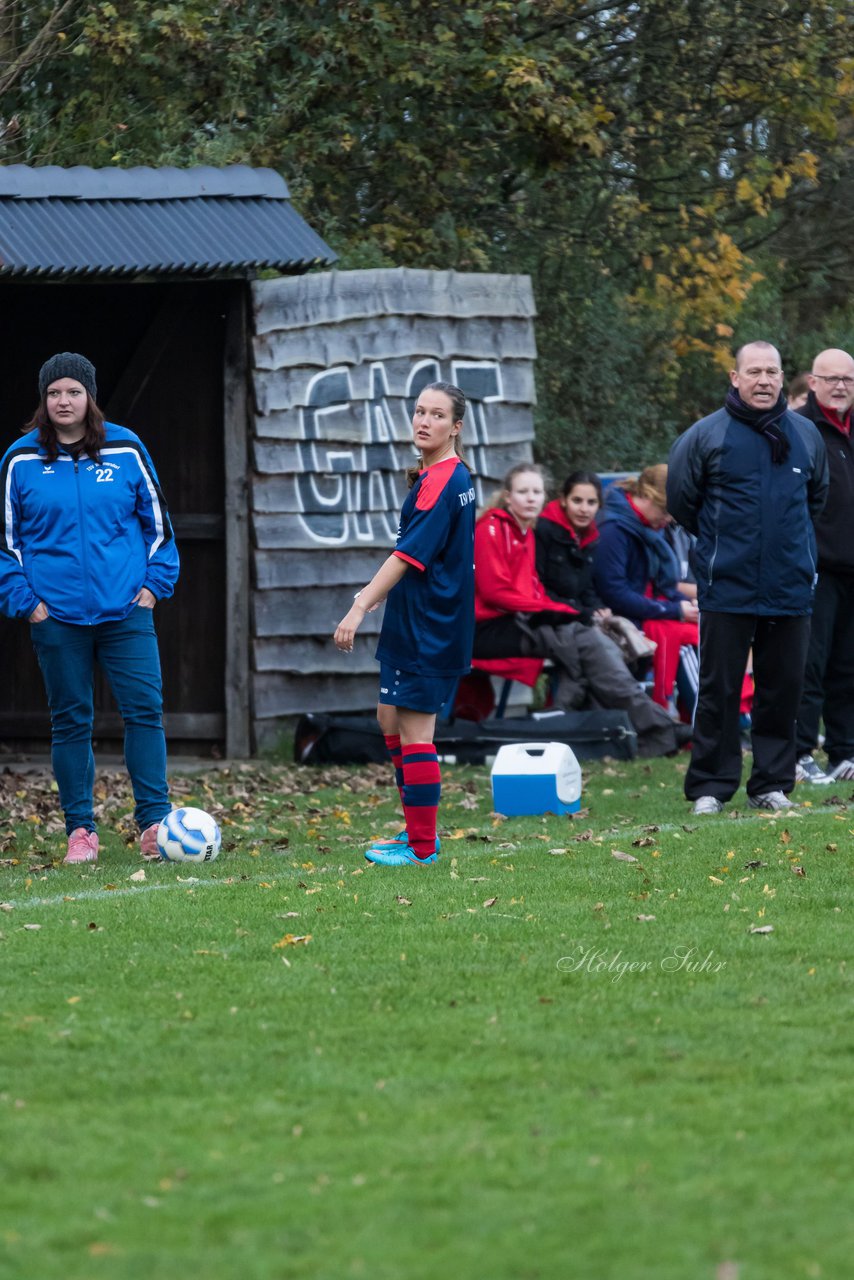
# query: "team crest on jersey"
[[103, 474]]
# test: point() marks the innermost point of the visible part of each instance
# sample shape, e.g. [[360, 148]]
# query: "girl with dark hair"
[[426, 637], [517, 618], [86, 552], [566, 534]]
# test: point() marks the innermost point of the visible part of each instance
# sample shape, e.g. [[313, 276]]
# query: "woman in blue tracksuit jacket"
[[86, 552]]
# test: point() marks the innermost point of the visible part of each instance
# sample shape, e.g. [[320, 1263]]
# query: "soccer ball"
[[188, 835]]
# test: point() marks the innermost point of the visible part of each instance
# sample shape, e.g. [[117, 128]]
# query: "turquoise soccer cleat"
[[398, 855]]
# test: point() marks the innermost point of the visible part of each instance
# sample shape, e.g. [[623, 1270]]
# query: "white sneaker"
[[842, 772], [708, 804], [806, 770], [771, 800]]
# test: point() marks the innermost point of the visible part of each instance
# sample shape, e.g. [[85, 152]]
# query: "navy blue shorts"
[[400, 688]]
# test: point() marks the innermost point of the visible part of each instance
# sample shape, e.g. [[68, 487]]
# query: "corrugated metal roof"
[[82, 183], [109, 222]]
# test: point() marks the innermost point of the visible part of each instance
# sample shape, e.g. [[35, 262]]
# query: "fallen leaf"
[[490, 902], [100, 1249], [716, 880], [404, 902], [622, 857], [799, 871], [6, 906], [785, 838], [642, 842], [644, 919], [761, 928], [754, 864], [137, 876], [32, 927], [292, 940]]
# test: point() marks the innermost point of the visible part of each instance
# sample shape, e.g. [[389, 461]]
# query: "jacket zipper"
[[712, 561], [83, 544], [812, 562]]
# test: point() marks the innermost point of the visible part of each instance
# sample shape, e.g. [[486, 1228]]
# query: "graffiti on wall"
[[353, 493]]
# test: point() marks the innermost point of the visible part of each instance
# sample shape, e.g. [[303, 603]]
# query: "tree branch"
[[35, 50]]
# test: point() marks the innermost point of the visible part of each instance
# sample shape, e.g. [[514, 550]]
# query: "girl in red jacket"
[[515, 617]]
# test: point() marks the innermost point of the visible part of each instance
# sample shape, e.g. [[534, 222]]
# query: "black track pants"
[[779, 655], [829, 677]]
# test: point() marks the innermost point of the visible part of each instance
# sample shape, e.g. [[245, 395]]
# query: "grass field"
[[534, 1060]]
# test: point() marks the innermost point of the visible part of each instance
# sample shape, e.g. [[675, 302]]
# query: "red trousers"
[[669, 636]]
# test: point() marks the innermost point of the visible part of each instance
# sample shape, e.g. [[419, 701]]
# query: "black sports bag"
[[357, 739]]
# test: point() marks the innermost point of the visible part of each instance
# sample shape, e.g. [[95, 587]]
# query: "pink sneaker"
[[148, 842], [82, 846]]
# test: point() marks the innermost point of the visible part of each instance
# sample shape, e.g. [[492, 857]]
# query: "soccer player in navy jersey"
[[426, 639]]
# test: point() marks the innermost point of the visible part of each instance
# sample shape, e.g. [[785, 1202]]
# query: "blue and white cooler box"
[[536, 777]]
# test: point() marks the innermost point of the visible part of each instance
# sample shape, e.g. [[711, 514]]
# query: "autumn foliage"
[[664, 171]]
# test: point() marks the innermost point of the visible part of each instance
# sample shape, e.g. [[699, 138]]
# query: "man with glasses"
[[829, 676], [748, 480]]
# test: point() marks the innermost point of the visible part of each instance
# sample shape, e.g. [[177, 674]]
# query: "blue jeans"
[[127, 653]]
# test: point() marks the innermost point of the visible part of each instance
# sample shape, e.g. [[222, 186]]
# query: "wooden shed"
[[277, 413], [339, 360], [147, 271]]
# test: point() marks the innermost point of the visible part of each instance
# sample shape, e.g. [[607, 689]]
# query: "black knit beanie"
[[66, 364]]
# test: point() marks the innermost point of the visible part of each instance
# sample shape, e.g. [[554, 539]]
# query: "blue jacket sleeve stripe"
[[17, 599], [162, 553], [154, 496], [8, 506], [159, 513], [9, 513]]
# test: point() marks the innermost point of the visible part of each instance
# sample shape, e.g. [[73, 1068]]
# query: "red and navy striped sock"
[[422, 787], [392, 742]]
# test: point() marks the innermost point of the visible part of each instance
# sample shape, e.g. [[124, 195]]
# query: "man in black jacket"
[[829, 678], [748, 481]]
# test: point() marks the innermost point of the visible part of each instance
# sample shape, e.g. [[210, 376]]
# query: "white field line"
[[757, 817], [90, 895]]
